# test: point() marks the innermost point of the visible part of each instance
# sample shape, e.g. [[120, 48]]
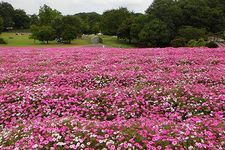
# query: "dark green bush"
[[100, 40], [2, 41], [211, 44], [189, 33], [178, 42]]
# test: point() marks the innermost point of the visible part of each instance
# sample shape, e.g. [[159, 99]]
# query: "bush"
[[2, 41], [178, 42], [100, 40], [211, 45], [1, 25], [155, 34], [190, 33], [197, 43], [223, 35]]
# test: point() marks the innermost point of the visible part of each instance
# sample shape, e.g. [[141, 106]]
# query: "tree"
[[34, 32], [167, 11], [1, 25], [20, 18], [69, 33], [203, 14], [192, 33], [155, 34], [113, 19], [34, 20], [90, 22], [136, 27], [43, 33], [47, 15], [6, 12], [124, 31], [66, 28], [57, 25]]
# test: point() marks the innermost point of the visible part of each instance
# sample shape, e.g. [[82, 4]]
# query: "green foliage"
[[155, 34], [190, 33], [67, 28], [211, 44], [43, 33], [112, 20], [34, 20], [197, 43], [124, 31], [47, 14], [21, 20], [178, 42], [203, 14], [90, 22], [1, 25], [69, 33], [2, 41], [223, 35], [100, 40], [34, 32], [6, 12], [167, 11], [136, 27]]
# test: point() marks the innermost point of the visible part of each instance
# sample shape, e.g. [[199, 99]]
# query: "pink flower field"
[[95, 98]]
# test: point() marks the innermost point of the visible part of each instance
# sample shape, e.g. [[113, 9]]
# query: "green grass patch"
[[23, 40]]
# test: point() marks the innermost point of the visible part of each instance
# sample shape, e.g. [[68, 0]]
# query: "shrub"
[[2, 41], [211, 44], [178, 42], [100, 40], [189, 33], [197, 43], [1, 25]]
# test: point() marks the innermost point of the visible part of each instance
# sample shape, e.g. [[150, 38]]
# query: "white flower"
[[61, 144], [82, 145], [35, 146], [78, 144]]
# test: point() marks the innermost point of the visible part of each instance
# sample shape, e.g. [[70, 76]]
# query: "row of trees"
[[16, 18], [168, 22], [52, 25], [165, 23]]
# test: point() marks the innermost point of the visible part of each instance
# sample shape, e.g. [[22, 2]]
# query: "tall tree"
[[168, 11], [90, 22], [66, 28], [124, 31], [6, 12], [113, 19], [1, 25], [34, 20], [155, 34], [47, 15], [136, 27], [21, 19]]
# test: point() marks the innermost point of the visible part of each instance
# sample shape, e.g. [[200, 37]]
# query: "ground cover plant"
[[93, 98]]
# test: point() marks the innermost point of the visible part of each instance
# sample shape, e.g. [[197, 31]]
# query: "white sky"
[[74, 6]]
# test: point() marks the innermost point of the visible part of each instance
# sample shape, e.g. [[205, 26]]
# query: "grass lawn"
[[23, 40], [112, 41]]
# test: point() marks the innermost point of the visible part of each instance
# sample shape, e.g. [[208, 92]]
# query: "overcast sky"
[[75, 6]]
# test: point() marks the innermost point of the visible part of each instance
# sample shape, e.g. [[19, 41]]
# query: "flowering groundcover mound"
[[93, 98]]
